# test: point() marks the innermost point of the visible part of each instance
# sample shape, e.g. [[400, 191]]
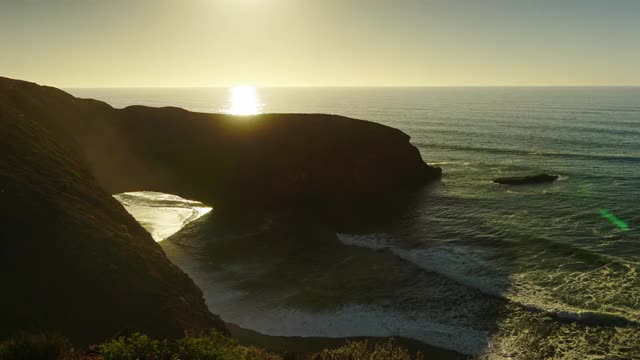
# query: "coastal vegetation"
[[212, 346]]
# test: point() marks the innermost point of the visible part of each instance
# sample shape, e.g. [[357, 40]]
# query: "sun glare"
[[244, 100]]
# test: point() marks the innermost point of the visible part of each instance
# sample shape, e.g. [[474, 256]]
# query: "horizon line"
[[345, 86]]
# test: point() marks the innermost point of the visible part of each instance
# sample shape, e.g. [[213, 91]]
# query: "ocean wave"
[[608, 157], [354, 321], [462, 163], [156, 199], [462, 265], [547, 301], [517, 131], [370, 241], [161, 214], [471, 268], [267, 315]]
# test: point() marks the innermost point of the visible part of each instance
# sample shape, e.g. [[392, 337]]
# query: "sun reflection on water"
[[244, 100]]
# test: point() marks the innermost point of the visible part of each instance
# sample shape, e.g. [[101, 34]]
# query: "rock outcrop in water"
[[532, 179], [72, 260], [256, 163]]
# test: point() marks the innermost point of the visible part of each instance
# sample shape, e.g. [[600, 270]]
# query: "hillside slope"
[[71, 258]]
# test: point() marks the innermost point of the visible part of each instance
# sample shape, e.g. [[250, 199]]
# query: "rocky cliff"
[[72, 260], [265, 162]]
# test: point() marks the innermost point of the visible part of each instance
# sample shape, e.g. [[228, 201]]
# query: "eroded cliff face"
[[71, 258], [259, 163]]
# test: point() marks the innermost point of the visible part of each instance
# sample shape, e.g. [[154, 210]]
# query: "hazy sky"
[[121, 43]]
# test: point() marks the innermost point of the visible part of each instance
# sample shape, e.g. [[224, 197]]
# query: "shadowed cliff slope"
[[256, 163], [71, 258]]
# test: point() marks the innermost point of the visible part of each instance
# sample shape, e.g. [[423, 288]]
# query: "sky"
[[192, 43]]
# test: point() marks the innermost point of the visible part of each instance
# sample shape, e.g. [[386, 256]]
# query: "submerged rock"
[[531, 179]]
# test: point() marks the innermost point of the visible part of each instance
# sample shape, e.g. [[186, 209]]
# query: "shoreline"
[[298, 347]]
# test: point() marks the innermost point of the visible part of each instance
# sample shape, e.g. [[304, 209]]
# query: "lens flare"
[[614, 220]]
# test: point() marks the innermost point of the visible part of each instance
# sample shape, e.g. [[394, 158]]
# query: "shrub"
[[135, 347], [208, 347], [362, 350], [218, 347], [212, 346], [44, 346]]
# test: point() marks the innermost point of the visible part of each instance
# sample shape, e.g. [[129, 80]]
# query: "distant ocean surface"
[[548, 270]]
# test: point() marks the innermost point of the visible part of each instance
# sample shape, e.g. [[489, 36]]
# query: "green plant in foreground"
[[135, 347], [361, 350], [216, 346], [212, 346], [209, 347]]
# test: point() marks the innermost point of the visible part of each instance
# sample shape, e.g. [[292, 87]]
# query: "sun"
[[244, 100]]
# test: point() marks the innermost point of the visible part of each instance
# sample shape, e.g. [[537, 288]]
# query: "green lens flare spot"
[[585, 190], [614, 220]]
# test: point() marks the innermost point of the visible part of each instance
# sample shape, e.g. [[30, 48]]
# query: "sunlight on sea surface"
[[244, 100], [162, 215]]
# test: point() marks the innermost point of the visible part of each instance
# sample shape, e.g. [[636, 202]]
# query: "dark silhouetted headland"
[[262, 162]]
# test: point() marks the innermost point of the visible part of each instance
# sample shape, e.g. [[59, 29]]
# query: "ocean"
[[533, 271]]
